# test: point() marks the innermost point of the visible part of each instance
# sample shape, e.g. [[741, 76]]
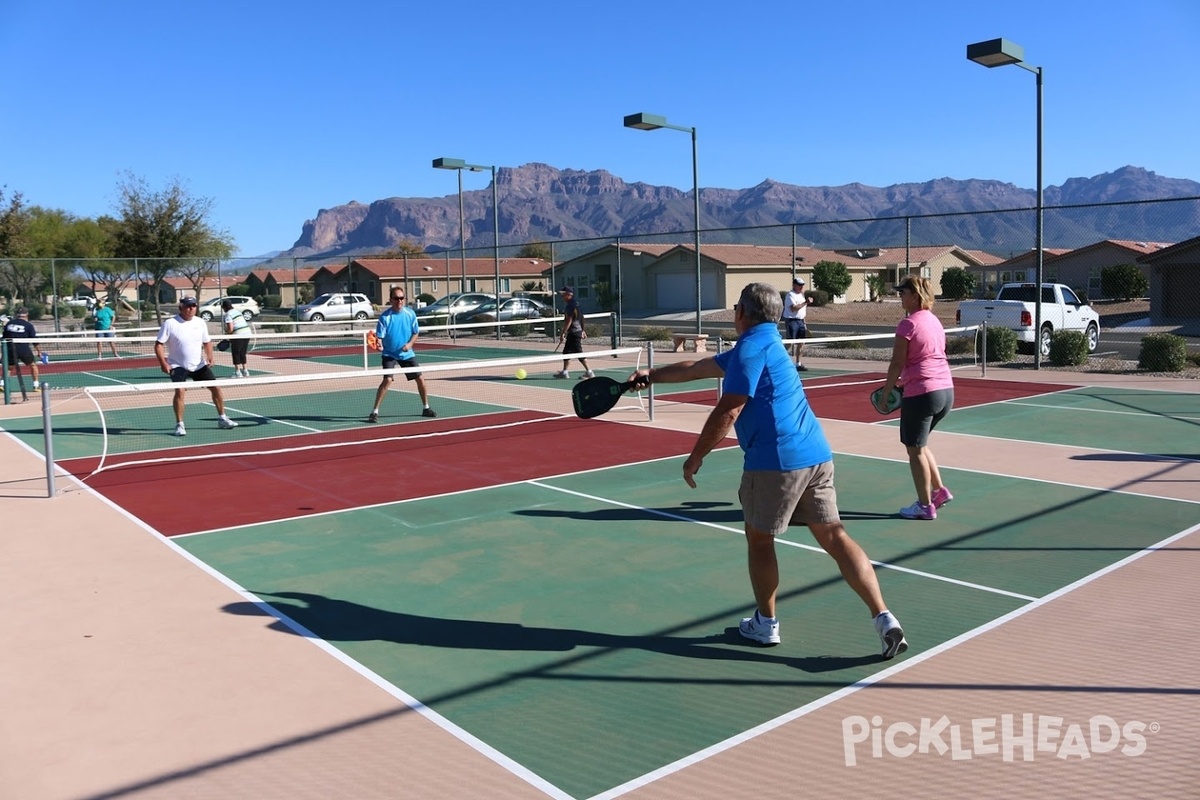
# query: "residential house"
[[663, 277], [621, 270], [287, 283], [172, 288], [1080, 268], [1175, 284], [432, 275], [1018, 269]]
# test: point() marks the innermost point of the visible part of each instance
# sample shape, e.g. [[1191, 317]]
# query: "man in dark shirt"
[[17, 330], [573, 334]]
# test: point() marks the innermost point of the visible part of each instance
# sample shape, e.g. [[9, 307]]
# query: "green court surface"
[[1129, 420], [583, 625], [151, 428]]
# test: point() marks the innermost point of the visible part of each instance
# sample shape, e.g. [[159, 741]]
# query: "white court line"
[[1074, 409], [813, 548], [908, 663]]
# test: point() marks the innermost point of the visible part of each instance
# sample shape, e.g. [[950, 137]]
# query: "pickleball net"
[[301, 415]]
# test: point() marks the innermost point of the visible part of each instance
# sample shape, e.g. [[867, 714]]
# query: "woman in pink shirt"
[[920, 369]]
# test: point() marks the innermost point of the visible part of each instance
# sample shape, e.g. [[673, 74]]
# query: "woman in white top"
[[236, 326]]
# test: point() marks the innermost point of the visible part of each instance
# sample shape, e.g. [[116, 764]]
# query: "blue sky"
[[275, 110]]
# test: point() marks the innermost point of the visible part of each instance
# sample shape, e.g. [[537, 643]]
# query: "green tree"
[[535, 250], [14, 220], [405, 247], [957, 284], [1123, 282], [831, 277], [163, 225], [876, 285]]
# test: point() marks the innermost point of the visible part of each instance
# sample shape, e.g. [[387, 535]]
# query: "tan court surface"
[[121, 678]]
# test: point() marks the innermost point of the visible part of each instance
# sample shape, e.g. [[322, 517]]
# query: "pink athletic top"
[[926, 369]]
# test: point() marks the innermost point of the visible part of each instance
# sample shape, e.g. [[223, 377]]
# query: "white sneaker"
[[891, 634], [225, 423], [589, 374], [562, 373], [758, 629], [179, 430]]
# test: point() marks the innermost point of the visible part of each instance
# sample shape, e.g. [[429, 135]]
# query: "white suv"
[[211, 309], [336, 305]]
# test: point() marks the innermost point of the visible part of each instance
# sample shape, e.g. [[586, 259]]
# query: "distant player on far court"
[[573, 334], [795, 310], [397, 330]]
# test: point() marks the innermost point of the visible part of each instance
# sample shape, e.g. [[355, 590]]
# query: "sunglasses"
[[397, 297]]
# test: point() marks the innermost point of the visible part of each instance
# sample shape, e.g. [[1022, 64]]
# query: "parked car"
[[211, 309], [83, 301], [336, 305], [512, 308], [453, 305], [1013, 308]]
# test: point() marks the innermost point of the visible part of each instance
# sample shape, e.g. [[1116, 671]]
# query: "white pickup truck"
[[1013, 308]]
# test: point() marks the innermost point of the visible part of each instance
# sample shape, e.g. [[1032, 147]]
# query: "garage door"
[[678, 290]]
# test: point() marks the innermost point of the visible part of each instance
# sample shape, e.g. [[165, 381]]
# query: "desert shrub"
[[426, 298], [1123, 282], [1001, 344], [818, 297], [876, 285], [271, 301], [1068, 348], [959, 345], [1163, 352], [831, 277], [957, 284], [655, 334]]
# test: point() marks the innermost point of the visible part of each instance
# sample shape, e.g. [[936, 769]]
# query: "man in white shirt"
[[795, 308], [184, 351]]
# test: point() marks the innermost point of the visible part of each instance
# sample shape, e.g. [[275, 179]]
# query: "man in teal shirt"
[[397, 330], [787, 476], [105, 317]]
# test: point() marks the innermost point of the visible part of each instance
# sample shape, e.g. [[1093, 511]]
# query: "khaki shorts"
[[771, 501]]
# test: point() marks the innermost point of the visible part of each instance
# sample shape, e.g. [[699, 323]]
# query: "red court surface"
[[407, 463], [846, 397]]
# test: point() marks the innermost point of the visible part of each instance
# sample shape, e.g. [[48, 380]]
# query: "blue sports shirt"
[[394, 329], [777, 428]]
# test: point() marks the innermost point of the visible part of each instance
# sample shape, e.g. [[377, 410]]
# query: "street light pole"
[[460, 165], [650, 122], [999, 53], [462, 237]]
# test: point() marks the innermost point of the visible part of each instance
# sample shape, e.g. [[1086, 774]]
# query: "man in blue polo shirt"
[[787, 476]]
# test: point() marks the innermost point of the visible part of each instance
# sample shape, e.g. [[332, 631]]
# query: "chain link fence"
[[1136, 262]]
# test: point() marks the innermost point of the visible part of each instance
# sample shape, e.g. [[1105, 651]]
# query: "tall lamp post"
[[1000, 53], [460, 165], [650, 122]]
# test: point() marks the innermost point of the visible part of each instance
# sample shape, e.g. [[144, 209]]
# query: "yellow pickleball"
[[521, 374]]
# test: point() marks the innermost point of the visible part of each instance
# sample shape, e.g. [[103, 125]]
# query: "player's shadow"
[[698, 511], [345, 621]]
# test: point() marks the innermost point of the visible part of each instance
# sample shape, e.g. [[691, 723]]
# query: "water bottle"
[[45, 358]]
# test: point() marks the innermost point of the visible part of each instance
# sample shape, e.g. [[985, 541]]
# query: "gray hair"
[[761, 302]]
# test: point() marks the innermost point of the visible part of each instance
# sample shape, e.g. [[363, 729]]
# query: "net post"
[[983, 361], [4, 367], [612, 319], [650, 388], [48, 436], [720, 381]]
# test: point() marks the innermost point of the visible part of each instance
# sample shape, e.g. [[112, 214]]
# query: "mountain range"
[[540, 203]]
